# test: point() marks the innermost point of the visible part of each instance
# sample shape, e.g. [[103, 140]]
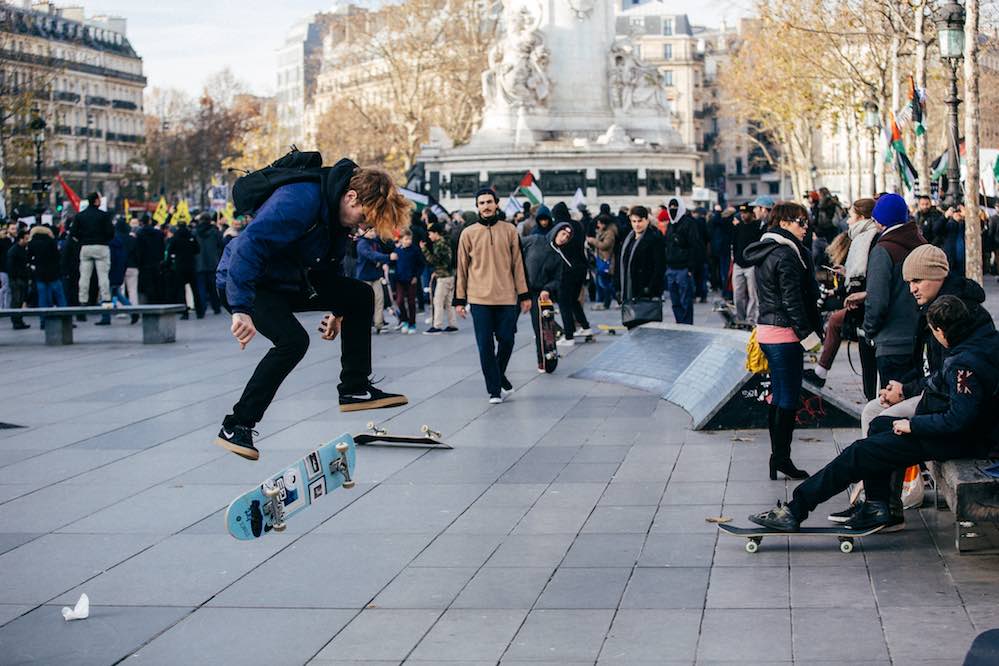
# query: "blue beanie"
[[890, 211]]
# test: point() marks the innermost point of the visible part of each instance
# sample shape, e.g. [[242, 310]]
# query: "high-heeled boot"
[[780, 446]]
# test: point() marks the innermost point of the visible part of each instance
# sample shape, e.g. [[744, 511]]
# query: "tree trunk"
[[922, 142], [972, 116]]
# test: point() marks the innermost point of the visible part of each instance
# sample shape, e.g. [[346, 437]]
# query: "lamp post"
[[38, 136], [872, 120], [950, 29]]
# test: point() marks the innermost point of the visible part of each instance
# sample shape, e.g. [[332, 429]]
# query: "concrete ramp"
[[703, 370]]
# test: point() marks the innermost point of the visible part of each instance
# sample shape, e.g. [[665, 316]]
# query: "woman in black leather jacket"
[[788, 300]]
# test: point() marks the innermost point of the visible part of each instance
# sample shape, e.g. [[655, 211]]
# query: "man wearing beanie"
[[491, 282], [891, 315]]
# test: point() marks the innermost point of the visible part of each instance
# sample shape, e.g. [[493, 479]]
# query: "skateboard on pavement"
[[727, 312], [612, 330], [754, 535], [268, 506], [431, 439], [547, 334]]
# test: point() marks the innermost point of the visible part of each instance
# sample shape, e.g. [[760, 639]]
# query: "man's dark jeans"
[[208, 293], [495, 328], [871, 460], [274, 319], [680, 284], [894, 368], [569, 305]]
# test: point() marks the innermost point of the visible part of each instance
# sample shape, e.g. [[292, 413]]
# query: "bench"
[[159, 322], [972, 496]]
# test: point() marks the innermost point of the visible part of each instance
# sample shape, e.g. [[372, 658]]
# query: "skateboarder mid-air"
[[288, 260]]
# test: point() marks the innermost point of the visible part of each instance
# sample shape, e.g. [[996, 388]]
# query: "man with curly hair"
[[288, 260]]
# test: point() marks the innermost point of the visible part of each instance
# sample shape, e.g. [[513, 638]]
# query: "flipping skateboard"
[[754, 535], [727, 312], [547, 334], [267, 507], [431, 439]]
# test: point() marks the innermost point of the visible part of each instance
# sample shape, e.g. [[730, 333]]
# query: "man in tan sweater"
[[491, 282]]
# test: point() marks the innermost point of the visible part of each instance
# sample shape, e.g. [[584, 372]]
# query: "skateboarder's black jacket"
[[785, 283], [295, 230], [543, 262]]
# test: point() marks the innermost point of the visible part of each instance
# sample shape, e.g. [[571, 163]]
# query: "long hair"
[[385, 208]]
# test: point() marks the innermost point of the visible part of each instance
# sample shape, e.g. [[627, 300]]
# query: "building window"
[[753, 189], [667, 51], [668, 77], [738, 165], [738, 189], [774, 187], [667, 27]]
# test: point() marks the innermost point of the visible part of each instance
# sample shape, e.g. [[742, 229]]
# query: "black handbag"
[[637, 311]]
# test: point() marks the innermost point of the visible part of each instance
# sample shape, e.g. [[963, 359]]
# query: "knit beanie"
[[926, 262], [891, 210], [543, 211]]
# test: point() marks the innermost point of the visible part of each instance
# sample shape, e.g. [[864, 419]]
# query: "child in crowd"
[[408, 268]]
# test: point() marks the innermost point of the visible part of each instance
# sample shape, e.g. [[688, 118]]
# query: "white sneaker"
[[400, 326], [565, 343], [428, 320], [495, 400], [541, 371], [505, 392], [585, 332]]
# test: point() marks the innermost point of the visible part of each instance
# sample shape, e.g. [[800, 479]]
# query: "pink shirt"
[[775, 335]]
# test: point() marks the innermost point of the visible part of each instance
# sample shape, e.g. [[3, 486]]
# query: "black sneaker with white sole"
[[239, 440], [845, 514], [370, 398]]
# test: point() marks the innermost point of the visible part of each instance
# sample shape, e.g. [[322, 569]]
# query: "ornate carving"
[[518, 64], [633, 84], [582, 8]]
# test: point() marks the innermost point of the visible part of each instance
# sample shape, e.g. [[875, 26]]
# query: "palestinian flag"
[[940, 166], [74, 198], [421, 201], [917, 100], [906, 172], [995, 169], [529, 189]]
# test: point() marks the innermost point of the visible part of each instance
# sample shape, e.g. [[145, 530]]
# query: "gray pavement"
[[567, 525]]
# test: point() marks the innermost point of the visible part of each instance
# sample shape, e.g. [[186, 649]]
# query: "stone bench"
[[159, 322], [973, 497]]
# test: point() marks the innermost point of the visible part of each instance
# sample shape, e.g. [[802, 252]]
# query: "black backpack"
[[249, 192]]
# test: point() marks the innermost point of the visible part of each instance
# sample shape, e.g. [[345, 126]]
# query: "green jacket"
[[438, 256]]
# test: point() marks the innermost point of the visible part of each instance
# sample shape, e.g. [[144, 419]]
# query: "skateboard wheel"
[[348, 484], [271, 491], [846, 545], [279, 527], [752, 546], [371, 425], [424, 428], [342, 447]]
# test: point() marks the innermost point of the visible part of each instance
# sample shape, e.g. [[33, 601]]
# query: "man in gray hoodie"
[[891, 316]]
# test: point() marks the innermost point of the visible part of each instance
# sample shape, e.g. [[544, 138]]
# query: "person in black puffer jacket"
[[573, 277], [150, 247], [545, 263], [19, 272], [43, 255], [181, 252], [684, 255], [209, 253], [788, 313]]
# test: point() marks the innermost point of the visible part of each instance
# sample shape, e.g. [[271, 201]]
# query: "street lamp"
[[38, 136], [872, 120], [950, 28]]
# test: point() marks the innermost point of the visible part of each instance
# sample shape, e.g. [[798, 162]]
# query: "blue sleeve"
[[366, 249], [968, 396], [283, 219], [878, 291]]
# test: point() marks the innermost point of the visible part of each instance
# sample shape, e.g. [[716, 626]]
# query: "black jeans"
[[894, 368], [569, 305], [871, 460], [495, 329], [207, 292], [536, 327], [274, 318]]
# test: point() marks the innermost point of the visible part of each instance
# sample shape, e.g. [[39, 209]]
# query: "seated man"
[[955, 418]]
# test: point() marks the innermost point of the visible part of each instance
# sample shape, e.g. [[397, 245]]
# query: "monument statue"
[[632, 83], [518, 64], [582, 8]]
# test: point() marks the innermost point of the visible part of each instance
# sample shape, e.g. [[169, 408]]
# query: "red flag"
[[73, 197]]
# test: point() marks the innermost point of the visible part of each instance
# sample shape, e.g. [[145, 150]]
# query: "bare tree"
[[972, 227]]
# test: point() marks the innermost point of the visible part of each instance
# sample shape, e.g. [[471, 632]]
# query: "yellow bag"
[[756, 362]]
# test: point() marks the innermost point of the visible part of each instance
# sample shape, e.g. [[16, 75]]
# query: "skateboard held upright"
[[268, 506], [546, 324]]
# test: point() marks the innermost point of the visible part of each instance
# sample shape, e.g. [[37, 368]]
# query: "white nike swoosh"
[[363, 396], [227, 434]]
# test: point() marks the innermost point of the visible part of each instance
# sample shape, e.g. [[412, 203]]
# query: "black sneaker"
[[779, 519], [370, 398], [812, 378], [432, 331], [505, 384], [870, 515], [450, 329], [845, 514], [239, 440]]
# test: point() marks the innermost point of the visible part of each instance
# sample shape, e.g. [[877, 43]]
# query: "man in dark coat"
[[43, 255], [19, 274], [930, 220], [182, 253], [209, 253], [151, 251], [93, 230], [683, 255], [573, 277]]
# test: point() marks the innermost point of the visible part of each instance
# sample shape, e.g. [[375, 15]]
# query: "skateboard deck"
[[547, 334], [267, 507], [431, 439], [612, 330], [727, 313], [754, 535]]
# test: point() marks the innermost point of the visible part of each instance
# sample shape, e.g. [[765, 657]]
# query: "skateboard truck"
[[340, 466], [373, 427], [275, 507], [425, 429]]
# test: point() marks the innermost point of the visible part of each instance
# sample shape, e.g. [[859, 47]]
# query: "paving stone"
[[831, 587], [677, 550], [422, 587], [619, 520], [686, 519], [945, 634], [580, 587], [487, 520], [624, 493], [742, 627], [110, 634], [10, 612], [612, 550], [459, 550], [12, 540], [561, 635], [501, 587], [303, 633], [738, 587], [666, 588], [653, 636], [378, 634], [531, 550], [467, 634], [693, 493], [820, 633]]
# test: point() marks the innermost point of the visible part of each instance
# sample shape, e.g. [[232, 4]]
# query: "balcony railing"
[[124, 104], [63, 96], [94, 100]]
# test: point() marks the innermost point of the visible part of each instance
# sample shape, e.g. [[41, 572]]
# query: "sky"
[[182, 42]]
